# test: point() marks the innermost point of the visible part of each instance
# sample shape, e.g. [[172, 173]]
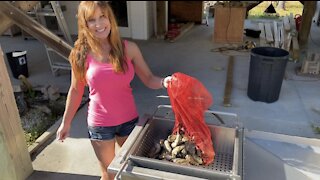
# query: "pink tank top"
[[111, 99]]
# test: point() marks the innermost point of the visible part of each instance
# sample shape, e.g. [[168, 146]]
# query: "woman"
[[106, 64]]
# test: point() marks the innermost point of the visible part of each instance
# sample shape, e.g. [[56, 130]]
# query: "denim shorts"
[[109, 132]]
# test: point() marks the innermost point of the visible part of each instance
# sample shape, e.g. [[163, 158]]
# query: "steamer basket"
[[224, 141]]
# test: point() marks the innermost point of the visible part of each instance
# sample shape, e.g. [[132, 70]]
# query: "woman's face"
[[99, 24]]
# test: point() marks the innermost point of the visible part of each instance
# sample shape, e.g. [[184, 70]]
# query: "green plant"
[[315, 128], [294, 7], [31, 94]]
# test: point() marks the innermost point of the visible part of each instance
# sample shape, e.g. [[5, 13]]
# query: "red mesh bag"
[[189, 99]]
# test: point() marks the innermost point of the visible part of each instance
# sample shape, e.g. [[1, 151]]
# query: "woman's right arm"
[[73, 101]]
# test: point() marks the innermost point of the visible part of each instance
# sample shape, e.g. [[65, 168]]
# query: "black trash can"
[[267, 68], [18, 63]]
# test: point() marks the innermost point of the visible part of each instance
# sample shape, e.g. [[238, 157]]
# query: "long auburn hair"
[[86, 40]]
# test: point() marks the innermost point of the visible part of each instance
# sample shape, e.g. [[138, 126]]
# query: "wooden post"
[[23, 5], [15, 161], [309, 9], [161, 19]]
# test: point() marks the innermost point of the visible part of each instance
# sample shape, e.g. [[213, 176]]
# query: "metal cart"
[[240, 153]]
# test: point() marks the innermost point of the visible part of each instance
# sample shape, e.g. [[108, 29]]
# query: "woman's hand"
[[166, 81], [63, 132]]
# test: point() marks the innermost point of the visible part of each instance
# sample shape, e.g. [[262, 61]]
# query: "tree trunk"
[[282, 5], [309, 10]]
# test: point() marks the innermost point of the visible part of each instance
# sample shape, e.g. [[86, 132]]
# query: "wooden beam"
[[229, 82], [309, 9], [35, 29], [15, 161], [184, 29], [23, 5]]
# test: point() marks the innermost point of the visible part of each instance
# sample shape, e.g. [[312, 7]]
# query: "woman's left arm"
[[141, 67]]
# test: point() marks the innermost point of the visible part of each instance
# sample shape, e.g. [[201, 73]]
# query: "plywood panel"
[[228, 24]]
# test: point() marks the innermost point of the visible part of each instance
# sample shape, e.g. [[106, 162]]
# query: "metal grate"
[[222, 162], [223, 141]]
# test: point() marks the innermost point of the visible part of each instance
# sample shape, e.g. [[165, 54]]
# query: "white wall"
[[141, 17], [138, 17]]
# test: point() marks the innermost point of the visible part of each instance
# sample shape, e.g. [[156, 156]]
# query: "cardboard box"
[[228, 24]]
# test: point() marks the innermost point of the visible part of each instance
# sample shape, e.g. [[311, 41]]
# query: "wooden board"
[[269, 35], [286, 23], [229, 82], [262, 35], [184, 29], [292, 22], [282, 37], [228, 24], [276, 34], [288, 42], [15, 161]]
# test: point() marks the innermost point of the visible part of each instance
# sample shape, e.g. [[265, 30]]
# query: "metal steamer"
[[227, 161]]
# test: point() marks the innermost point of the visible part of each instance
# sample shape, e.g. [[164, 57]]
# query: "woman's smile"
[[101, 30]]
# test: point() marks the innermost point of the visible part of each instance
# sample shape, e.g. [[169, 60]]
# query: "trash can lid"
[[269, 52], [18, 53]]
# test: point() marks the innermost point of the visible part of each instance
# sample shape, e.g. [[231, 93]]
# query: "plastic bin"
[[18, 63], [267, 68]]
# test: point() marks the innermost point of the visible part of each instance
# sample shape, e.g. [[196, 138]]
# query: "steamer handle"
[[215, 113], [125, 159], [217, 116], [118, 175]]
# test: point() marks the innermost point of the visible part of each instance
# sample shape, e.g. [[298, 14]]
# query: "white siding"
[[138, 18]]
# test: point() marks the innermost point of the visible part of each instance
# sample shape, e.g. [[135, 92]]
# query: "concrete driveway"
[[297, 108]]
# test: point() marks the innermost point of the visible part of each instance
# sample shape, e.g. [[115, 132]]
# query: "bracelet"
[[162, 83]]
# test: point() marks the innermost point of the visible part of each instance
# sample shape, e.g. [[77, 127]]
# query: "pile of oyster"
[[177, 148]]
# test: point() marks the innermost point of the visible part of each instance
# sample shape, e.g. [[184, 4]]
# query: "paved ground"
[[293, 114]]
